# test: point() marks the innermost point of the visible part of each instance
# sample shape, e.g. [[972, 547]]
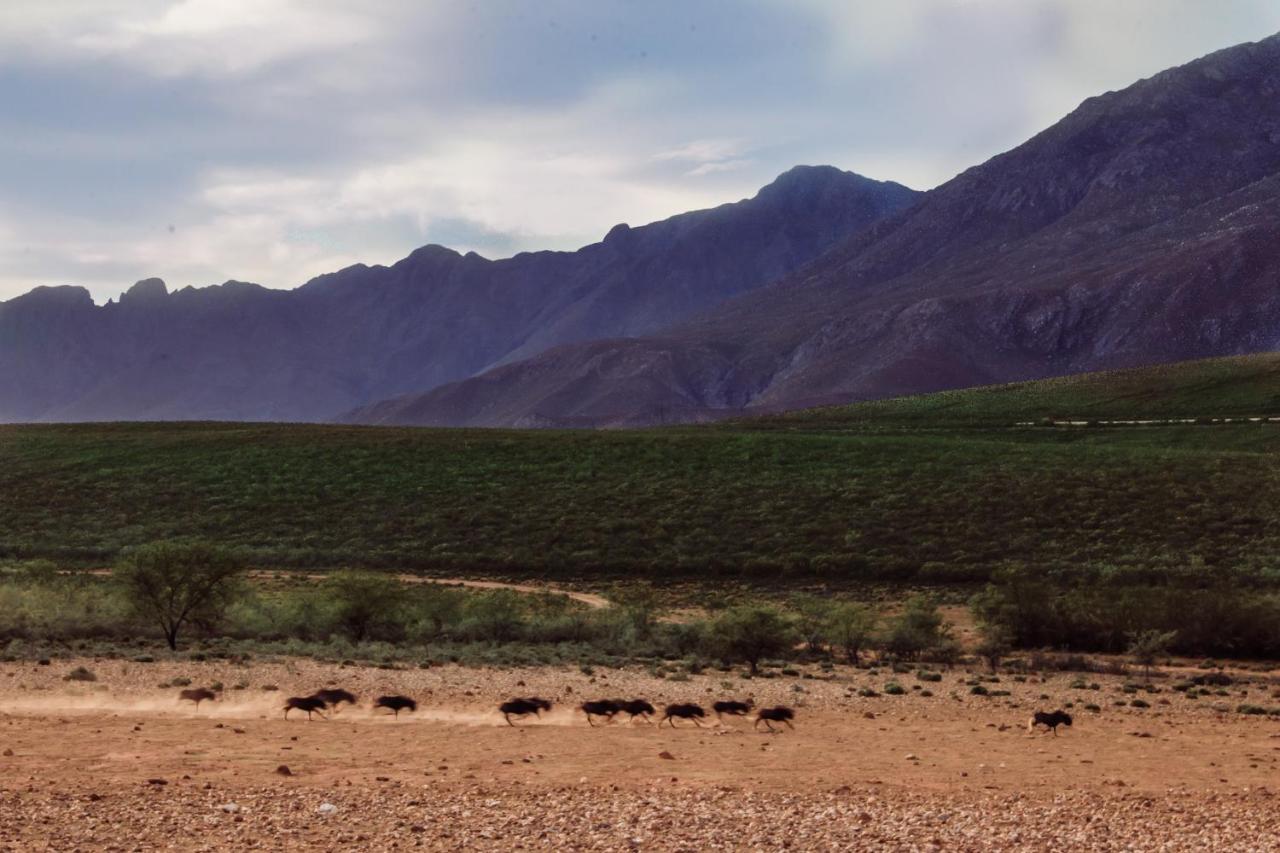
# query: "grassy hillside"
[[1242, 386], [943, 504]]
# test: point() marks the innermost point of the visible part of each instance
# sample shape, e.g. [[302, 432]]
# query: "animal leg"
[[507, 717]]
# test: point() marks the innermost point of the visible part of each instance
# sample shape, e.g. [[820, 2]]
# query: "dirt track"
[[888, 772]]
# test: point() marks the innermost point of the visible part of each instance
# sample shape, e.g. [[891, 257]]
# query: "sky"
[[274, 140]]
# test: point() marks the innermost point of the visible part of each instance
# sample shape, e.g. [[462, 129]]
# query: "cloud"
[[284, 138]]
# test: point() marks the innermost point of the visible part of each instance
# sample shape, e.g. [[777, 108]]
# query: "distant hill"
[[243, 352], [1140, 229], [935, 489], [1237, 387]]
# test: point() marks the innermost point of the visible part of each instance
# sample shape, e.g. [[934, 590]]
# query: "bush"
[[893, 688], [925, 675], [917, 629], [1113, 612], [1146, 646], [751, 633], [812, 620], [496, 616], [80, 674], [174, 584], [850, 627], [365, 605], [996, 642]]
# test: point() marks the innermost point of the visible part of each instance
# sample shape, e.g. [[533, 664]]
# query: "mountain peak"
[[146, 290], [62, 295], [802, 184]]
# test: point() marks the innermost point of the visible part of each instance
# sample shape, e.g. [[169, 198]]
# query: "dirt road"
[[120, 764]]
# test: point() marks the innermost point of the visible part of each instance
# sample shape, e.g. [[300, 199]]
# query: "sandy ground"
[[119, 764]]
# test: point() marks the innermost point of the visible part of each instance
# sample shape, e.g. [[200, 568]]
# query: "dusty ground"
[[119, 764]]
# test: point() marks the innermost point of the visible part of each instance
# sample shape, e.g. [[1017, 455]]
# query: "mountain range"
[[1142, 228], [1139, 229], [244, 352]]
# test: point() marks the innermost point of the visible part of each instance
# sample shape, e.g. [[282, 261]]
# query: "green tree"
[[435, 609], [851, 627], [996, 642], [640, 608], [1147, 646], [1024, 603], [813, 619], [497, 616], [752, 633], [174, 584], [365, 605], [917, 629]]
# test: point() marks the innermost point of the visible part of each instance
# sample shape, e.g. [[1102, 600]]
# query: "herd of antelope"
[[322, 700], [331, 698]]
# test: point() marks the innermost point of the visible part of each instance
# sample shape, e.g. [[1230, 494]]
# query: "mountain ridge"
[[239, 351], [1135, 230]]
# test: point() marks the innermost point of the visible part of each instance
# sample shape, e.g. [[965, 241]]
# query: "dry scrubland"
[[118, 764]]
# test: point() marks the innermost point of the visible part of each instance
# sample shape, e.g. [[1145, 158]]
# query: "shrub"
[[893, 688], [178, 583], [925, 675], [496, 616], [917, 629], [365, 605], [1146, 646], [850, 628], [751, 633], [812, 620], [80, 674], [996, 642]]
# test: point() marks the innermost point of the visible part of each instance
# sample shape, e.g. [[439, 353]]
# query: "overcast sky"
[[272, 140]]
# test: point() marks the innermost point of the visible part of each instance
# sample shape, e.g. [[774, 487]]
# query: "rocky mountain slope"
[[1139, 229], [243, 352]]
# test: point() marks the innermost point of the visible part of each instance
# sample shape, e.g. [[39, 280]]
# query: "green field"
[[1243, 386], [936, 489]]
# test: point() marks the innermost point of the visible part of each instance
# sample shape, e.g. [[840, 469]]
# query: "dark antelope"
[[1052, 719], [730, 706], [780, 714], [197, 695], [395, 704], [523, 708], [600, 708], [635, 708], [334, 696], [686, 711], [310, 704]]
